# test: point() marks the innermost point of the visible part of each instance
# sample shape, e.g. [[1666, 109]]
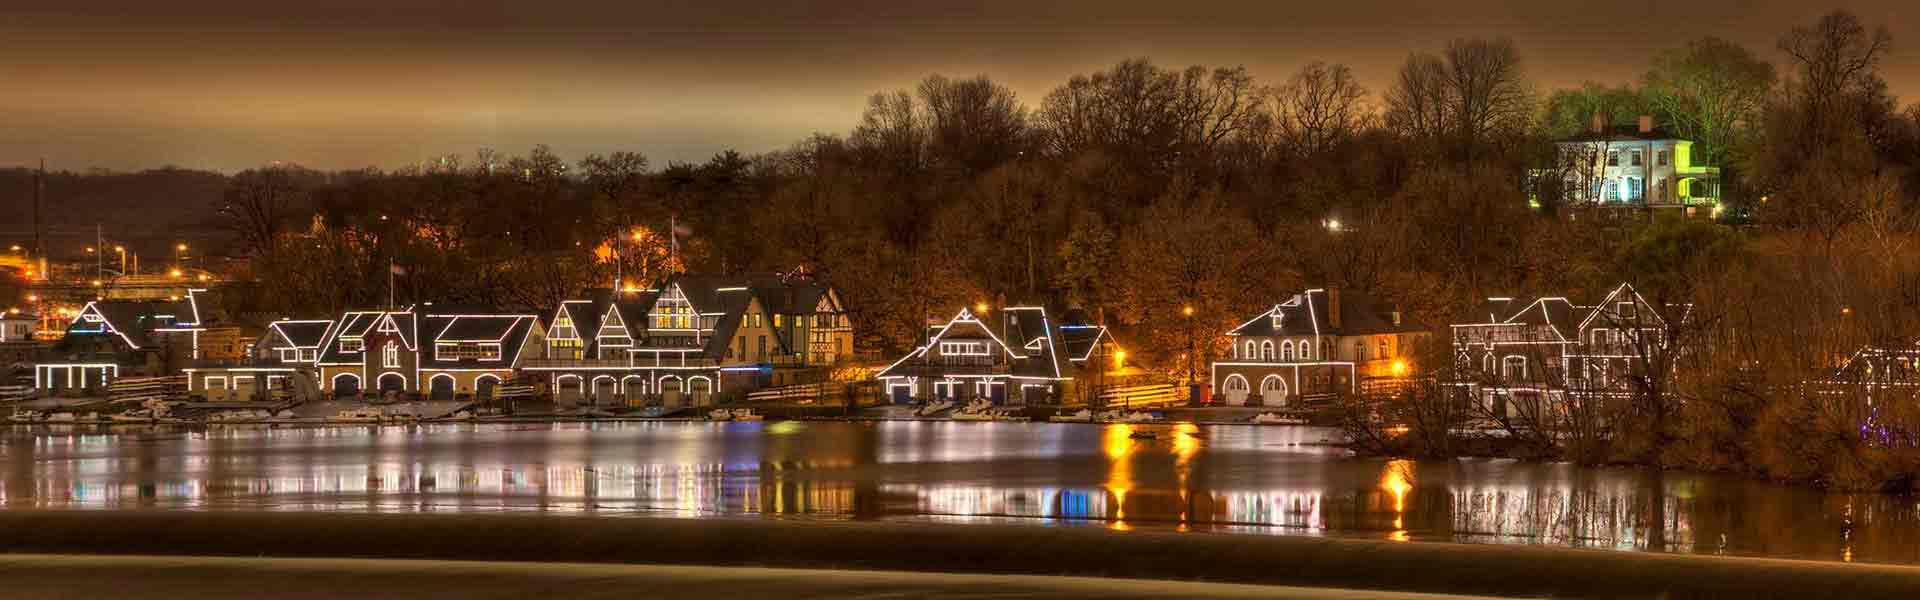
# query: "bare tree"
[[1472, 96], [1706, 90], [260, 203], [1835, 56], [1322, 106], [974, 124]]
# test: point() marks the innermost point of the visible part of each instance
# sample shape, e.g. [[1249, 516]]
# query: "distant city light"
[[174, 273]]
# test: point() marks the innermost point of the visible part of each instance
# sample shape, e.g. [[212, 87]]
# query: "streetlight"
[[175, 273], [980, 308], [1187, 311]]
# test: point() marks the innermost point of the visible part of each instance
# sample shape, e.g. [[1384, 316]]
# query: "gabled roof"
[[507, 329], [132, 320], [963, 325], [1556, 313], [357, 324], [1566, 319], [300, 334], [1309, 313], [1037, 347]]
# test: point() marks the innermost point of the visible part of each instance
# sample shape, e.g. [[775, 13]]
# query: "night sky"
[[129, 84]]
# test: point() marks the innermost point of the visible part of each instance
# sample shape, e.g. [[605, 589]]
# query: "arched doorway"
[[392, 383], [701, 389], [441, 388], [670, 391], [566, 389], [1273, 391], [605, 389], [484, 385], [346, 384], [1236, 390], [634, 387]]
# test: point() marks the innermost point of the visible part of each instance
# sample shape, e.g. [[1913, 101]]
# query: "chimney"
[[1599, 123], [1646, 123], [1333, 307]]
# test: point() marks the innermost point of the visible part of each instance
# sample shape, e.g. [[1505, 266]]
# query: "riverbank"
[[969, 548]]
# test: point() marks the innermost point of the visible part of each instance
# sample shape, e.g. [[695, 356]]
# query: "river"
[[1229, 478]]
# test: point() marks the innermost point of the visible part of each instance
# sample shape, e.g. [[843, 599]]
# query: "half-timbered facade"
[[1521, 355], [691, 339], [1313, 346]]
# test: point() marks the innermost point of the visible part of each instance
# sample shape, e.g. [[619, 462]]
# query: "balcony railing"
[[649, 361]]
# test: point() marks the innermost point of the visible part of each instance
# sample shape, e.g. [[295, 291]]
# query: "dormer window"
[[354, 345]]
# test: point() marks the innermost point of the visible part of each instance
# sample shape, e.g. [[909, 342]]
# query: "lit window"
[[390, 358]]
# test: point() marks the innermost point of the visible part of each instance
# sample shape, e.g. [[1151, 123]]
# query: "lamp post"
[[1192, 398]]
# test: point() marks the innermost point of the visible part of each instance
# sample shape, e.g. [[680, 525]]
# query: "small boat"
[[1079, 416], [932, 407], [1143, 435], [1115, 416], [720, 414], [360, 415], [248, 415], [1268, 418], [138, 415], [972, 415], [746, 414], [28, 416]]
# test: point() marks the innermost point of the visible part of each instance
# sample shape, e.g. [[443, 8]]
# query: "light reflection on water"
[[1208, 478]]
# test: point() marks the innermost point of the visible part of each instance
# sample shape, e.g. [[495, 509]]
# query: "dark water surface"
[[1273, 480]]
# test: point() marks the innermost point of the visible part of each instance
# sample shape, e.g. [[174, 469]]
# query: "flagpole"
[[389, 283]]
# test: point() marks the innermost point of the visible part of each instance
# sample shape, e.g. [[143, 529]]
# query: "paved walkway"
[[213, 578], [982, 549]]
